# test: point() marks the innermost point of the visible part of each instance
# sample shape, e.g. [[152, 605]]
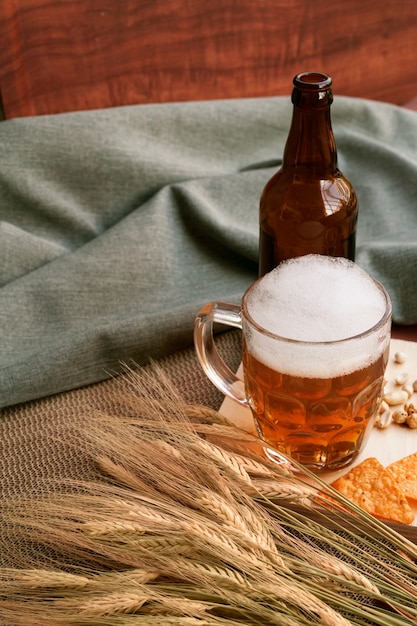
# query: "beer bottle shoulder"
[[298, 197]]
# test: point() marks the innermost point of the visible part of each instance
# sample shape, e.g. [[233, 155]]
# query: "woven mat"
[[36, 437]]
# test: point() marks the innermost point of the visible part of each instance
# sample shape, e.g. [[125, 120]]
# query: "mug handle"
[[213, 365]]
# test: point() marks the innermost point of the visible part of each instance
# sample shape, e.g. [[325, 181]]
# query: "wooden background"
[[64, 55]]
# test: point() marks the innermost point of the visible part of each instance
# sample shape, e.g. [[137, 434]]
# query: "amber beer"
[[315, 349], [320, 422]]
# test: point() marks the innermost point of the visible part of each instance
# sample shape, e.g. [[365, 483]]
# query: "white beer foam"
[[316, 299]]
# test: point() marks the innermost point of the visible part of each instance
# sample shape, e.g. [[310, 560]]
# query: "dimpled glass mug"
[[315, 343]]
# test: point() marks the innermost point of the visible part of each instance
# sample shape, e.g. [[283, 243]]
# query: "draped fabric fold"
[[117, 225]]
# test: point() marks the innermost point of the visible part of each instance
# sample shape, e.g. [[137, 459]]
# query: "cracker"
[[404, 472], [375, 490]]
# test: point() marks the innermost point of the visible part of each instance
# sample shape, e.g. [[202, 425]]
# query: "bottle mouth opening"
[[312, 80]]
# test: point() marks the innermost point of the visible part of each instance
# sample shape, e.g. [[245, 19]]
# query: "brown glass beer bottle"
[[308, 206]]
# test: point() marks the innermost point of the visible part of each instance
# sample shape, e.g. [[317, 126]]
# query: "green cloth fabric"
[[117, 225]]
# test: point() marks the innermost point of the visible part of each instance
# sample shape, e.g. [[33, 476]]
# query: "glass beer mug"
[[315, 344]]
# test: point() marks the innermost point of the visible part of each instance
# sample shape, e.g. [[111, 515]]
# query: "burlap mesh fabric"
[[36, 438]]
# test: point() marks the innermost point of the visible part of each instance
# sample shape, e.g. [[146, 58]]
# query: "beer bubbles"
[[310, 301], [316, 298]]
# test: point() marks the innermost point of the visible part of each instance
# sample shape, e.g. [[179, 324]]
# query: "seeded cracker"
[[376, 491], [404, 472]]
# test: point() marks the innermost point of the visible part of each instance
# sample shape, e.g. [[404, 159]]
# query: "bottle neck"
[[310, 144]]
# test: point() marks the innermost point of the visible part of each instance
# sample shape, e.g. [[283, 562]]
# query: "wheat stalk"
[[182, 526], [283, 489], [254, 535], [38, 579], [112, 604]]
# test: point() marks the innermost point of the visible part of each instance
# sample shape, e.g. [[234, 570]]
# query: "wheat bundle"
[[188, 523]]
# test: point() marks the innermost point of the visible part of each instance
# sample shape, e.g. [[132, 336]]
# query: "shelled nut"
[[396, 397], [383, 420], [401, 379], [399, 357], [399, 416]]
